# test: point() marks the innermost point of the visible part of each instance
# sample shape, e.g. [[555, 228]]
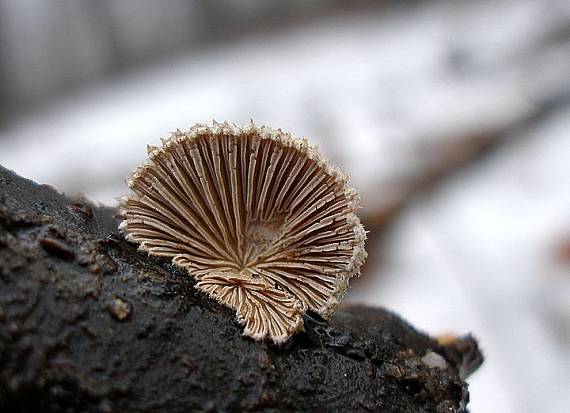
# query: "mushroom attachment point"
[[261, 220]]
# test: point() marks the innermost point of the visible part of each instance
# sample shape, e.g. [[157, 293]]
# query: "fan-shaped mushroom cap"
[[262, 221]]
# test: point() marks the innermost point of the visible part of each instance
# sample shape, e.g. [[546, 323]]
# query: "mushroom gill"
[[262, 221]]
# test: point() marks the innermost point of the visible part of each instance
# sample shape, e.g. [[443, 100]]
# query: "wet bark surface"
[[87, 323]]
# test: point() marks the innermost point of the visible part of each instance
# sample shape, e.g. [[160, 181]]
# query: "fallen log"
[[88, 323]]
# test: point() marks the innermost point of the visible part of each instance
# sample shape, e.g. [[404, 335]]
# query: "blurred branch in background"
[[439, 159], [562, 251]]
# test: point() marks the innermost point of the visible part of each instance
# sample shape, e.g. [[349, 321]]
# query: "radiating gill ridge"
[[260, 219]]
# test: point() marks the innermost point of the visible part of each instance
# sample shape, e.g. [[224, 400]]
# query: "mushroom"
[[261, 220]]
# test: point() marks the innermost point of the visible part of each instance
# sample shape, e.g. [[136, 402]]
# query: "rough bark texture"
[[87, 323]]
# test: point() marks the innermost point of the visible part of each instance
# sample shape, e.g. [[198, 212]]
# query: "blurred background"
[[451, 117]]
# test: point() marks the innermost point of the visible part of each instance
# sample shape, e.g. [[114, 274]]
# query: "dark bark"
[[89, 324]]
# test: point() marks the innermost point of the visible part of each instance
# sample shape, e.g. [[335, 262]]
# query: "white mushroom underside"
[[265, 225]]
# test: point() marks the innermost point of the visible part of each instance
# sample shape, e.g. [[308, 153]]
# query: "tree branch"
[[87, 323]]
